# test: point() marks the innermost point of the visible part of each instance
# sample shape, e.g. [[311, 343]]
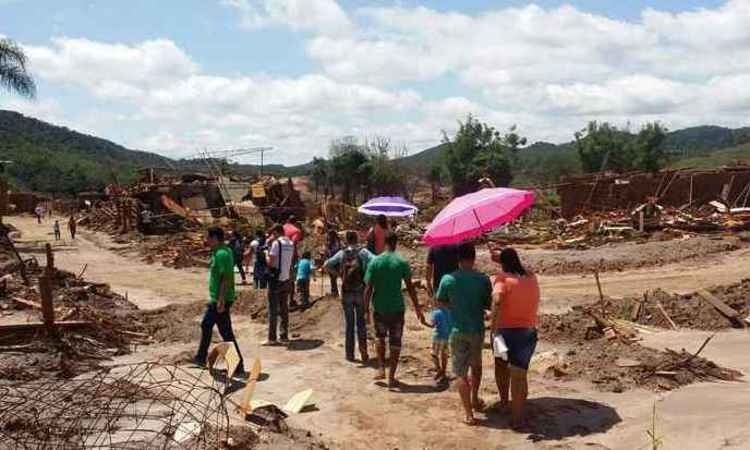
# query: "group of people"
[[72, 228], [462, 298]]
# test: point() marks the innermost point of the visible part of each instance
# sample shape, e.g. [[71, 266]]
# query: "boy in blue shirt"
[[304, 268], [442, 322]]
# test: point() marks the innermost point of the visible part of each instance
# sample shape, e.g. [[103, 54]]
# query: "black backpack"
[[352, 270]]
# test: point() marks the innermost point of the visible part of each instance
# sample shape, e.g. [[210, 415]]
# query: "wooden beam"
[[27, 302], [666, 316], [40, 325], [718, 304]]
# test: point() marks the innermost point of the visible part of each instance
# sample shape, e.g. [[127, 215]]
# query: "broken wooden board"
[[299, 401], [40, 325], [24, 302], [245, 407], [627, 362], [666, 316], [228, 353], [718, 304]]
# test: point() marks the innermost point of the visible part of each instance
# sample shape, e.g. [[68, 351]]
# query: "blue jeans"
[[224, 322], [303, 287], [354, 315]]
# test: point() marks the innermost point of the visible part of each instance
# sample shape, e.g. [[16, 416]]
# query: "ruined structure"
[[671, 188]]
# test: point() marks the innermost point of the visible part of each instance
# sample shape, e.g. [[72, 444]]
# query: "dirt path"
[[148, 286], [353, 412]]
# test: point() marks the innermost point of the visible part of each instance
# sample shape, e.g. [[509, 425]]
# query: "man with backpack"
[[280, 259], [258, 260], [237, 244], [350, 264]]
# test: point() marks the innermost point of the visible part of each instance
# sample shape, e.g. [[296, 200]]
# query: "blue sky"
[[174, 77]]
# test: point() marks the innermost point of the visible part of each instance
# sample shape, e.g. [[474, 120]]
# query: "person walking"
[[469, 293], [376, 236], [441, 261], [333, 245], [258, 260], [72, 226], [350, 264], [383, 291], [442, 324], [304, 271], [221, 297], [516, 297], [279, 260], [56, 230], [237, 244], [293, 232], [39, 213]]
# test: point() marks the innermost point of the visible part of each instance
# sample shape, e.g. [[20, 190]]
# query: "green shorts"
[[466, 350]]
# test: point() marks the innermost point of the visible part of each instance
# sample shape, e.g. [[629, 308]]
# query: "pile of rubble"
[[90, 326], [605, 351], [178, 250], [715, 309]]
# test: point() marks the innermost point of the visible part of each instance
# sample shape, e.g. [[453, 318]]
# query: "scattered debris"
[[619, 363]]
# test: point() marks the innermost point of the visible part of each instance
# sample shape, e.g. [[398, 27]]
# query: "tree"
[[477, 151], [13, 74], [648, 147], [346, 158], [321, 176], [604, 147]]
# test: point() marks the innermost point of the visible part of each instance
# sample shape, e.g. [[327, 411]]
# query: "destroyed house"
[[672, 188]]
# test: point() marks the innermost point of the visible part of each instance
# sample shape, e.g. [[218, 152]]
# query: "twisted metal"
[[140, 406]]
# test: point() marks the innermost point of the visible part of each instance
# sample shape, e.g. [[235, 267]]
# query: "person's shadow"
[[405, 388], [554, 418]]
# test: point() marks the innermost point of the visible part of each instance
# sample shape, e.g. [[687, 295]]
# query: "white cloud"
[[189, 109], [411, 72], [321, 16]]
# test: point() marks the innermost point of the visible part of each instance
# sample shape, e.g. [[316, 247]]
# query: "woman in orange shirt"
[[514, 316]]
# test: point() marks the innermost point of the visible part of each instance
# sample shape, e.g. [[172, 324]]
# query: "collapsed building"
[[157, 203], [680, 189]]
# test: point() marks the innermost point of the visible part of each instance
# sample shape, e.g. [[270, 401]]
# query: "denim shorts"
[[521, 343]]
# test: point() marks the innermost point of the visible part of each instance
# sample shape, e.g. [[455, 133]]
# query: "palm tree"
[[13, 75]]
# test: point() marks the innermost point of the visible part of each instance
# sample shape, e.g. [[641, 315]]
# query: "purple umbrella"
[[388, 206]]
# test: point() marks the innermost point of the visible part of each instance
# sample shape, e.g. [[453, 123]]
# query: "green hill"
[[739, 155], [48, 158], [53, 159]]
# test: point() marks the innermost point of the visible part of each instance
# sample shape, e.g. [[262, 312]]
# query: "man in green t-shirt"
[[383, 290], [221, 294], [469, 293]]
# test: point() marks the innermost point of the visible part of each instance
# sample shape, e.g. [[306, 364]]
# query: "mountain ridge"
[[52, 158]]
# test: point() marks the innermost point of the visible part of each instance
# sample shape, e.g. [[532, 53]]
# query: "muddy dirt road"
[[353, 412]]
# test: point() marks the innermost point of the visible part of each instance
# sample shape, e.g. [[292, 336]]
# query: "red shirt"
[[379, 233]]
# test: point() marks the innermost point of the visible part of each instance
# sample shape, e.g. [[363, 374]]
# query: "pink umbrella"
[[474, 214]]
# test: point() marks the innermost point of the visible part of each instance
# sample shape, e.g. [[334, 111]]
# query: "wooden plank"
[[636, 312], [666, 316], [27, 302], [246, 407], [299, 401], [718, 304], [39, 325]]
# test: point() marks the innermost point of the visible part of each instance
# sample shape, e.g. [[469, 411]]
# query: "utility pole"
[[262, 150]]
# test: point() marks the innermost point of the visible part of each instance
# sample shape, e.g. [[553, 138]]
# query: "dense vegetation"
[[362, 170], [52, 159], [543, 163], [56, 160]]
